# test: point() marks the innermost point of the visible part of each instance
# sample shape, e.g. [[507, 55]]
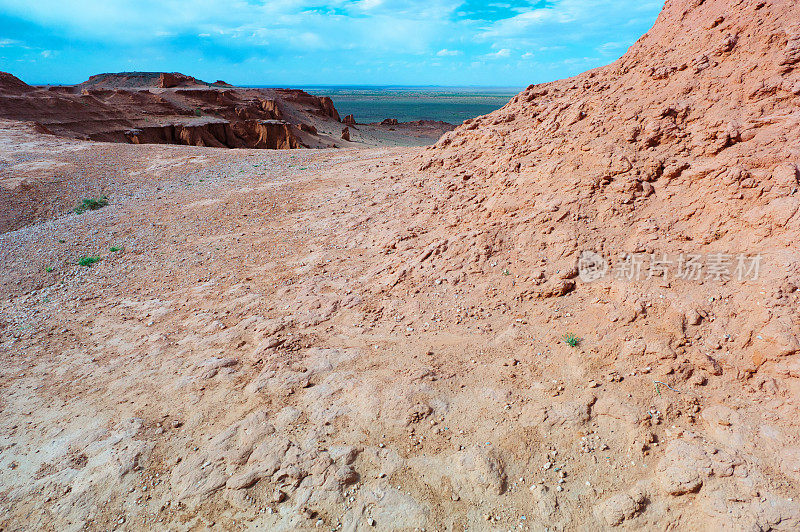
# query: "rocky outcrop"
[[328, 108], [308, 128], [174, 79], [107, 106], [350, 120], [389, 122], [346, 134], [124, 107], [127, 80], [259, 109]]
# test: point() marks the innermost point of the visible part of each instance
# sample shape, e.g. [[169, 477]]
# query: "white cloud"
[[368, 5], [389, 26], [500, 54], [568, 21], [517, 25], [364, 23]]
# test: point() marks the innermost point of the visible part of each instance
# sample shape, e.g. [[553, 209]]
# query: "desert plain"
[[372, 334]]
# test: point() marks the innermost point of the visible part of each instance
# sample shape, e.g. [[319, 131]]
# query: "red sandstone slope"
[[707, 80], [687, 144]]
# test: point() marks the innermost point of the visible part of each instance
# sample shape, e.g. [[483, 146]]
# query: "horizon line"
[[330, 86]]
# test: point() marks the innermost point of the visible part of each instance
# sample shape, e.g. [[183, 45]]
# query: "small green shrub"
[[114, 249], [48, 269], [198, 112], [91, 204], [571, 340], [88, 261]]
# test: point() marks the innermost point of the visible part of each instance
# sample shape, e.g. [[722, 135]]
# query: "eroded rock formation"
[[148, 107]]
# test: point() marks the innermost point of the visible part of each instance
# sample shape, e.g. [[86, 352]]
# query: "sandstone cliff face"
[[258, 134]]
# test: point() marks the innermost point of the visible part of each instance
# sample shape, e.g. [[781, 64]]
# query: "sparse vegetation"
[[48, 269], [91, 204], [88, 261], [571, 340], [198, 112], [114, 249]]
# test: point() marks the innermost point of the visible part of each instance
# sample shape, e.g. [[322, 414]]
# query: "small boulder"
[[616, 509], [684, 468], [476, 471], [308, 128]]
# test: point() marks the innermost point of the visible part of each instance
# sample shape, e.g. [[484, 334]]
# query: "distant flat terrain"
[[406, 104]]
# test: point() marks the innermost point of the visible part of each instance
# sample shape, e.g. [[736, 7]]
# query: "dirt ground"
[[579, 312], [275, 340]]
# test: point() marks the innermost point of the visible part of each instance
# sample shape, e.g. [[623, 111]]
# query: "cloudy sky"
[[336, 42]]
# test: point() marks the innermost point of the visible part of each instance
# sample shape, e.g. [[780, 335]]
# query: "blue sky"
[[304, 42]]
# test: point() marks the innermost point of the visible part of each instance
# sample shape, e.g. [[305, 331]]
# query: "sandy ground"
[[401, 338], [273, 345]]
